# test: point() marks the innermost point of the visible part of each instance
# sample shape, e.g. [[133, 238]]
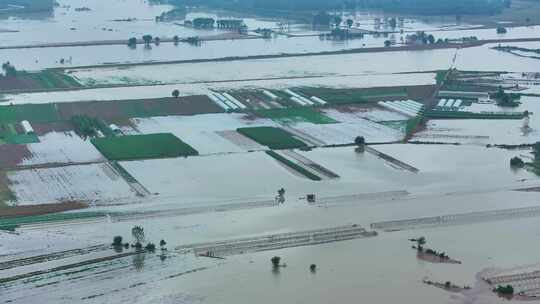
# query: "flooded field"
[[335, 163]]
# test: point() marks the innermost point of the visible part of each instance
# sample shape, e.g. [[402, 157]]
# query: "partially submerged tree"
[[117, 241], [175, 93], [176, 39], [275, 261], [350, 23], [147, 39], [360, 142], [9, 69], [138, 234], [162, 244], [132, 42]]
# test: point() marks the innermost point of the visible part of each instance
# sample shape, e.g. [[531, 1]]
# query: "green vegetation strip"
[[471, 115], [293, 166], [298, 114], [30, 112], [51, 79], [351, 96], [274, 138], [132, 147], [12, 223]]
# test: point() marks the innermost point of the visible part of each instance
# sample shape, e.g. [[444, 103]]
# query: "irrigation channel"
[[277, 241], [458, 219]]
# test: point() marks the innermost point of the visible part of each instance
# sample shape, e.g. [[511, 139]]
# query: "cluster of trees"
[[147, 39], [427, 7], [203, 23], [9, 69], [505, 99], [421, 37], [137, 233], [501, 30], [86, 126], [504, 290]]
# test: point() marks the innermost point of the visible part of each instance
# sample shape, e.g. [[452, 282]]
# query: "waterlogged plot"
[[203, 132], [274, 138], [345, 133], [292, 115], [216, 179], [351, 114], [53, 147], [93, 184], [143, 146]]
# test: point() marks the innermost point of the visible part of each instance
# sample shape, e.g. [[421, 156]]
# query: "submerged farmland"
[[282, 163]]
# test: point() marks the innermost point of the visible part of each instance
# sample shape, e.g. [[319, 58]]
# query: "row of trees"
[[276, 264], [147, 39], [137, 232]]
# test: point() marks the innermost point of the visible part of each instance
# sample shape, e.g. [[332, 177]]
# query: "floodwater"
[[383, 269]]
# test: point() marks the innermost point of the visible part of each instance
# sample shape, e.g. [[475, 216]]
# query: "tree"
[[501, 30], [387, 43], [150, 247], [175, 93], [157, 40], [360, 142], [117, 241], [138, 234], [350, 23], [393, 23], [313, 267], [162, 244], [420, 242], [516, 162], [176, 39], [275, 261], [9, 69], [337, 21], [147, 39], [431, 39], [132, 42]]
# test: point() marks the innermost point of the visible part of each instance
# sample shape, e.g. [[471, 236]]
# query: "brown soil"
[[17, 211], [189, 105], [17, 83], [12, 155]]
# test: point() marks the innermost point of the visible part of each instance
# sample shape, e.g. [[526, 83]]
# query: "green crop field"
[[293, 166], [131, 147], [435, 114], [13, 223], [30, 112], [274, 138], [49, 79], [297, 114], [351, 96]]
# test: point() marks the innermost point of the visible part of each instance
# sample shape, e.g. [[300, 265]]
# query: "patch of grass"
[[297, 114], [274, 138], [132, 147], [351, 96], [293, 166], [30, 112], [9, 135], [12, 223], [435, 114], [52, 79]]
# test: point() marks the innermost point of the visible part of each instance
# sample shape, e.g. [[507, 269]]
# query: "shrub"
[[117, 241], [516, 162]]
